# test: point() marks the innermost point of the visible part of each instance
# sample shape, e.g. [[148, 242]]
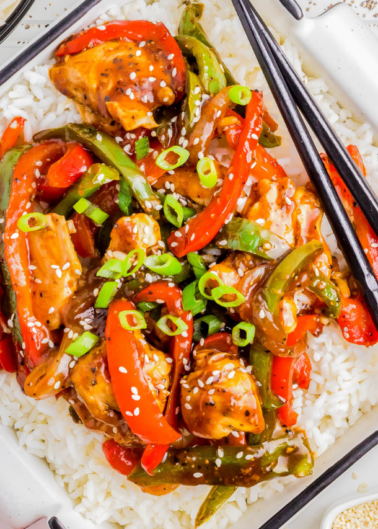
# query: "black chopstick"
[[293, 8], [352, 176], [337, 216]]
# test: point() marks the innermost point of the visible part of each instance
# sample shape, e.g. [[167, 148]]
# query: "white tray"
[[335, 42]]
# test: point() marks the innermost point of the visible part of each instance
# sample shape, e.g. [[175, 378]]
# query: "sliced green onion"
[[162, 324], [198, 264], [112, 269], [147, 306], [134, 267], [206, 326], [125, 199], [207, 172], [188, 213], [138, 317], [173, 211], [161, 160], [249, 331], [224, 290], [189, 300], [82, 205], [96, 214], [107, 293], [240, 95], [32, 222], [204, 279], [82, 344], [165, 264], [142, 146]]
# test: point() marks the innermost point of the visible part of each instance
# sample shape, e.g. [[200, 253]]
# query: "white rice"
[[344, 379]]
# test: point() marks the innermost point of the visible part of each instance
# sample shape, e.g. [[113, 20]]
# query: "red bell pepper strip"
[[11, 134], [308, 322], [282, 385], [65, 172], [202, 228], [356, 322], [124, 350], [221, 341], [136, 31], [180, 352], [302, 371], [7, 355], [16, 248], [152, 456], [122, 458]]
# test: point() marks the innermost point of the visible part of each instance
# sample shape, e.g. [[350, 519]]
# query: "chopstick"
[[337, 216], [352, 176], [293, 8]]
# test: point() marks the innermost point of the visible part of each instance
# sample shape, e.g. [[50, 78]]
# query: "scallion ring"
[[173, 211], [188, 213], [83, 344], [32, 222], [207, 172], [134, 267], [112, 269], [106, 295], [208, 276], [165, 264], [189, 300], [96, 214], [240, 95], [162, 162], [224, 290], [82, 205], [212, 324], [136, 315], [198, 264], [162, 324], [249, 331]]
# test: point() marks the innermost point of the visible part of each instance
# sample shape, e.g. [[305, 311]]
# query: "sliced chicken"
[[139, 231]]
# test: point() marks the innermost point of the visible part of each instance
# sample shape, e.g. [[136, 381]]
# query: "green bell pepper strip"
[[191, 27], [262, 361], [96, 176], [268, 139], [109, 152], [248, 236], [270, 418], [217, 497], [9, 301], [210, 73], [125, 199], [279, 280], [327, 292], [197, 465], [194, 91]]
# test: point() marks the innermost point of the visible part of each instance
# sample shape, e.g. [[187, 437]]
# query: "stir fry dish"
[[160, 271]]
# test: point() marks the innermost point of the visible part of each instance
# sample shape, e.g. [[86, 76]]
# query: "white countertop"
[[41, 15]]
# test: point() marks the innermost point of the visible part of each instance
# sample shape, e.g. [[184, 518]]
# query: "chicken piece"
[[55, 268], [271, 201], [91, 380], [188, 184], [220, 396], [114, 80], [155, 368], [134, 232]]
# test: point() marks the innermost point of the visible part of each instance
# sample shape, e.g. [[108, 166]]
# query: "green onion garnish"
[[107, 293], [189, 300], [147, 306], [198, 264], [112, 269], [32, 222], [82, 205], [249, 331], [173, 211], [161, 160], [240, 95], [181, 326], [204, 279], [82, 344], [125, 199], [134, 267], [165, 264], [91, 211], [224, 290], [142, 146], [207, 172], [206, 326], [188, 213], [138, 318]]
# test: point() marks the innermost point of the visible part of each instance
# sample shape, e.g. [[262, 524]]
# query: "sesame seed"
[[134, 390], [141, 44], [170, 57], [57, 385], [255, 137], [211, 391], [99, 137], [72, 364], [260, 221], [152, 79], [78, 272], [163, 84], [201, 384], [136, 412], [65, 266], [151, 68], [15, 235], [129, 413], [122, 369], [249, 456], [222, 243], [51, 310], [218, 462], [239, 455], [262, 314], [184, 334], [135, 397], [195, 390], [235, 434], [202, 341], [138, 53], [200, 155], [58, 272], [288, 201], [197, 475], [196, 141], [220, 452], [209, 380], [187, 406]]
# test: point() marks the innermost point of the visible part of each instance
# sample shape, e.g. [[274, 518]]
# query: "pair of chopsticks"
[[290, 95]]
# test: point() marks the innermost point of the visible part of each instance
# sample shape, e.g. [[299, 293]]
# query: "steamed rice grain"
[[345, 377]]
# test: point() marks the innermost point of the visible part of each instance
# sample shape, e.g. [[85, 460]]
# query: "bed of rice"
[[345, 377]]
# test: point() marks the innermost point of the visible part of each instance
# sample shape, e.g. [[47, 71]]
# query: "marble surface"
[[364, 473]]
